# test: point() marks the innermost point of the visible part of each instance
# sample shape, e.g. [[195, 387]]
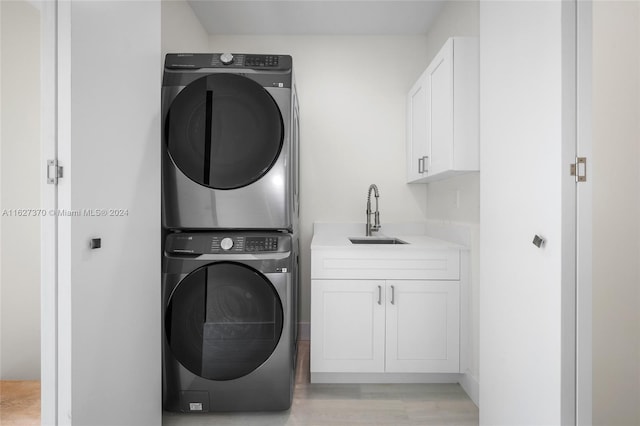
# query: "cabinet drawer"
[[386, 264]]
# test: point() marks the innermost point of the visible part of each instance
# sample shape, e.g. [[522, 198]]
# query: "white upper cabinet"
[[442, 114], [416, 129]]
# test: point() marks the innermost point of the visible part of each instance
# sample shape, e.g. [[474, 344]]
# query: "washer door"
[[223, 321], [224, 131]]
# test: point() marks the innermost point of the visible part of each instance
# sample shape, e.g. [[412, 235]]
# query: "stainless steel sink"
[[376, 240]]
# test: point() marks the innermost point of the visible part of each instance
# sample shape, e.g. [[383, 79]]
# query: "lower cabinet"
[[347, 326], [422, 327], [392, 326]]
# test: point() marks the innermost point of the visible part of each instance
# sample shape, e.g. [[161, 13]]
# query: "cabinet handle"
[[379, 295], [421, 165], [393, 295], [425, 164]]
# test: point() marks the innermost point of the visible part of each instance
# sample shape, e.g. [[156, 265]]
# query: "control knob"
[[226, 58], [226, 243]]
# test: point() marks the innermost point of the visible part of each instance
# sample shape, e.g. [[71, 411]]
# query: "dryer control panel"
[[220, 243], [227, 60]]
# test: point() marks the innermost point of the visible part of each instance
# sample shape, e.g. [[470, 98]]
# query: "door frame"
[[584, 220], [55, 294], [49, 221], [577, 217]]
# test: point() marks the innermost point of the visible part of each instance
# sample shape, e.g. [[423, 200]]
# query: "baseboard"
[[304, 331], [385, 377], [471, 386]]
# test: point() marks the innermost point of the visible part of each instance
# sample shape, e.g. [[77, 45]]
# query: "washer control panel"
[[221, 243]]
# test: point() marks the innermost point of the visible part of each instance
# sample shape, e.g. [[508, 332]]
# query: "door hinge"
[[579, 169], [54, 172]]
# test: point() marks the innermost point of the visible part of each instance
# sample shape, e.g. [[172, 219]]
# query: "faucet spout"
[[376, 214]]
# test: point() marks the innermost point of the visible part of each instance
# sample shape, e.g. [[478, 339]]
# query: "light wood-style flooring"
[[19, 403], [351, 404], [313, 405]]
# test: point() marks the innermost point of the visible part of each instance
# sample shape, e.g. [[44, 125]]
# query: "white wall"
[[352, 122], [458, 199], [338, 75], [181, 29], [20, 168], [458, 18], [616, 211]]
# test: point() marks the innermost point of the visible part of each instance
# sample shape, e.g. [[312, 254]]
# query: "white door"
[[423, 327], [527, 106], [347, 320], [109, 367]]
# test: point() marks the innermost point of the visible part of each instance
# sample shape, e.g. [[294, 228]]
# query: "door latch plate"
[[579, 169], [54, 172]]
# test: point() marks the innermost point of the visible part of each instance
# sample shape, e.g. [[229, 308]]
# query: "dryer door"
[[224, 131], [223, 321]]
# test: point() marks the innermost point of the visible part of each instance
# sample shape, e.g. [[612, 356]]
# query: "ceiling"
[[312, 17]]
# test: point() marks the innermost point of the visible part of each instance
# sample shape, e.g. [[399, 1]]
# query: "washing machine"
[[230, 137], [229, 313]]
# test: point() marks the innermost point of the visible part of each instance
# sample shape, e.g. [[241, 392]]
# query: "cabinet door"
[[347, 326], [423, 326], [417, 129], [439, 81]]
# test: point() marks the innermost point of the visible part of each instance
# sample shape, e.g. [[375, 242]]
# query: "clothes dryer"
[[229, 310], [230, 138]]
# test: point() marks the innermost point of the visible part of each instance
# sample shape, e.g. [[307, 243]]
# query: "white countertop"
[[336, 236]]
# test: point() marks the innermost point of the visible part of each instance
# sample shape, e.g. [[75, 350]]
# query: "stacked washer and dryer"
[[230, 228]]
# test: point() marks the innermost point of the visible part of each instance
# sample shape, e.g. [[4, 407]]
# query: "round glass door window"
[[224, 131], [223, 321]]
